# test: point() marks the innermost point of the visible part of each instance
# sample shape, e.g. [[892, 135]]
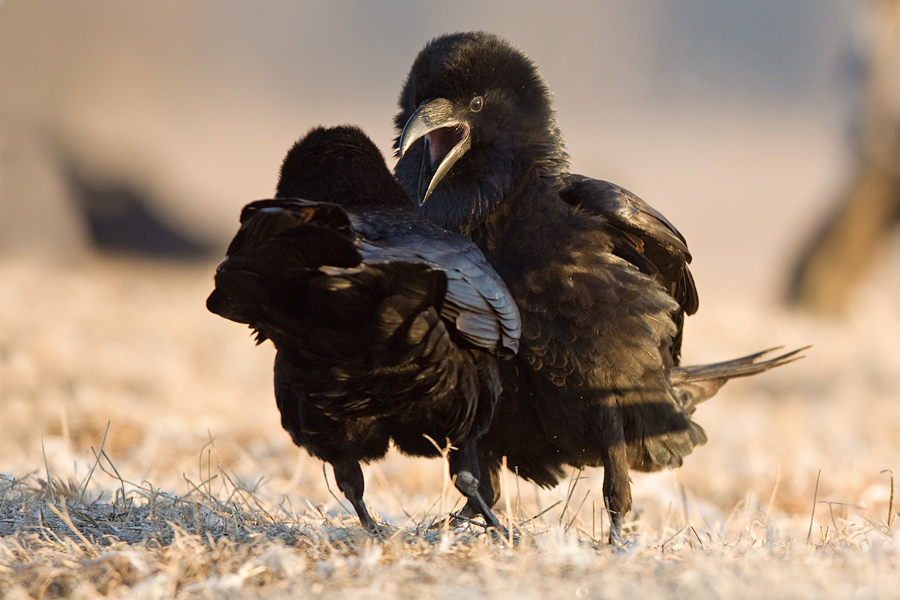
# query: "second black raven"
[[387, 327], [600, 277]]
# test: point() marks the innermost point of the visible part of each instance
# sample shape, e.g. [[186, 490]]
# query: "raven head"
[[475, 116], [340, 165]]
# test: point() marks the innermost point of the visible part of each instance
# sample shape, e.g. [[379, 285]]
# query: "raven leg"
[[616, 489], [463, 465], [489, 485], [349, 478], [488, 488]]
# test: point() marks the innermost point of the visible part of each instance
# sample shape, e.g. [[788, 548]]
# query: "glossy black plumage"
[[601, 278], [387, 327]]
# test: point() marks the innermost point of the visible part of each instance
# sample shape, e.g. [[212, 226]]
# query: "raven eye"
[[476, 104]]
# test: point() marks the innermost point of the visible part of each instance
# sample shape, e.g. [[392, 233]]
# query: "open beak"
[[436, 122]]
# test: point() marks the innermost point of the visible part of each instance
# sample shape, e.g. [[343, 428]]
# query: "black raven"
[[600, 277], [387, 327]]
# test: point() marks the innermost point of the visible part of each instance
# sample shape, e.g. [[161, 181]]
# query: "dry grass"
[[142, 457]]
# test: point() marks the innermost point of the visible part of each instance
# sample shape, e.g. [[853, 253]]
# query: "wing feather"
[[642, 236]]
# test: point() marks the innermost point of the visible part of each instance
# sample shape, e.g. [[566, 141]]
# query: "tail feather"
[[701, 382], [693, 385]]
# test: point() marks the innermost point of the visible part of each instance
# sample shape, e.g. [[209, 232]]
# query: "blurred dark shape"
[[56, 211], [839, 255], [120, 219]]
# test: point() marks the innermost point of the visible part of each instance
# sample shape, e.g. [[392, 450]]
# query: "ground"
[[141, 456]]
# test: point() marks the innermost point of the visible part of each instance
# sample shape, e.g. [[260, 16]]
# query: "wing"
[[295, 274], [642, 236], [477, 305], [477, 301], [278, 244]]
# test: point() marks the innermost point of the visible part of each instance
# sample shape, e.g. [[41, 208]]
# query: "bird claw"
[[379, 531], [497, 530], [615, 531], [375, 529], [616, 540]]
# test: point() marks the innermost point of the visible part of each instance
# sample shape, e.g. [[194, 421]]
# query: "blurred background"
[[732, 118], [132, 133]]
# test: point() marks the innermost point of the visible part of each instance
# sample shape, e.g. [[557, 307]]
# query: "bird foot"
[[497, 531], [380, 531], [615, 540], [467, 484], [376, 529], [615, 531]]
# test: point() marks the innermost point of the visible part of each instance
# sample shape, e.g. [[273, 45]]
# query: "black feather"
[[387, 327], [601, 278]]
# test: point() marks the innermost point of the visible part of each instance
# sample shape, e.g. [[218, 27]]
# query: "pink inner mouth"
[[441, 141]]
